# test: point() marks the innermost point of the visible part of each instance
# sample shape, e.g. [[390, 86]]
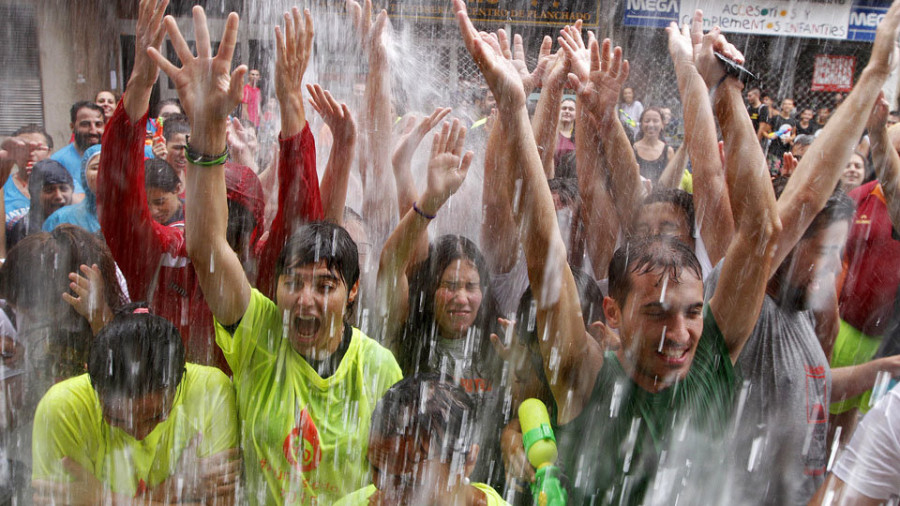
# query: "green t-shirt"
[[69, 423], [304, 438], [361, 496], [612, 450]]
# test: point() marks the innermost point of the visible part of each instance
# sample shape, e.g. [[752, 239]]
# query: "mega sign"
[[830, 19], [529, 12]]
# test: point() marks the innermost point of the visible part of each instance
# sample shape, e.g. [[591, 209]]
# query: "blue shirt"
[[13, 198], [71, 160]]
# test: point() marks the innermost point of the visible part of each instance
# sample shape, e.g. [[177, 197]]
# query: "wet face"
[[798, 150], [628, 95], [567, 112], [457, 299], [806, 115], [175, 153], [664, 218], [107, 101], [164, 205], [253, 77], [651, 123], [88, 128], [853, 173], [137, 417], [823, 115], [893, 119], [813, 266], [90, 173], [404, 472], [659, 327], [314, 300], [42, 152], [55, 196]]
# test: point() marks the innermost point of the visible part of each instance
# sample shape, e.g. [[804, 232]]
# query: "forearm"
[[498, 236], [624, 172], [597, 208], [379, 190], [848, 382], [545, 124], [887, 170], [406, 185], [136, 100], [712, 206], [820, 169], [335, 181], [293, 115], [674, 171], [746, 175]]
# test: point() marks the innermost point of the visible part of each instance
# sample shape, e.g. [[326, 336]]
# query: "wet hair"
[[37, 269], [567, 190], [640, 134], [838, 207], [136, 354], [160, 175], [321, 241], [427, 407], [154, 113], [33, 128], [421, 326], [174, 125], [662, 254], [678, 198], [84, 104]]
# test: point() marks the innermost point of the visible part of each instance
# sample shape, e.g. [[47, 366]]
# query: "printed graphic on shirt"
[[303, 442]]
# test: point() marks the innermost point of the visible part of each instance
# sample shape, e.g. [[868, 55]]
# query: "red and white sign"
[[833, 73]]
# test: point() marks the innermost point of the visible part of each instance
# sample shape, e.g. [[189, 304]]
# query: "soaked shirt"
[[304, 437], [69, 423], [780, 447], [625, 435]]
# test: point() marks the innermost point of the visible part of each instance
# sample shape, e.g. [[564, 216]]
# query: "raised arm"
[[413, 133], [597, 80], [447, 170], [820, 169], [885, 158], [343, 150], [546, 116], [209, 91], [712, 206], [298, 183], [576, 358], [742, 281], [378, 185]]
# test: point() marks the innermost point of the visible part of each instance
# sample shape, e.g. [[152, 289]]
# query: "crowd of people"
[[707, 301]]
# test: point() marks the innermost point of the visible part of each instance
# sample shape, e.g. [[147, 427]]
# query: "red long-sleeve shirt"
[[153, 257]]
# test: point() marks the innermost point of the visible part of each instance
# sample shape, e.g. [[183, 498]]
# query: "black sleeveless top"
[[653, 169]]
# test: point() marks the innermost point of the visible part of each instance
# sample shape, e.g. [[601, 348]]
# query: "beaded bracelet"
[[422, 213], [202, 159]]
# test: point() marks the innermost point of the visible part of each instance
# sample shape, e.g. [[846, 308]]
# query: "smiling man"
[[87, 126]]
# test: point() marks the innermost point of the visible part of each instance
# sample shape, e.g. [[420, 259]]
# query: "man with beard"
[[87, 126]]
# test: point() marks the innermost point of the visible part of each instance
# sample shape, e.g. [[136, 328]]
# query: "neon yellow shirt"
[[361, 496], [69, 423], [304, 438]]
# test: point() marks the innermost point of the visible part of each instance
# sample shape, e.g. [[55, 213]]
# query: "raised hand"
[[533, 79], [239, 140], [148, 33], [878, 117], [414, 132], [447, 167], [495, 64], [20, 152], [608, 71], [336, 115], [89, 298], [207, 87], [578, 54], [293, 51], [371, 35], [705, 46], [885, 52]]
